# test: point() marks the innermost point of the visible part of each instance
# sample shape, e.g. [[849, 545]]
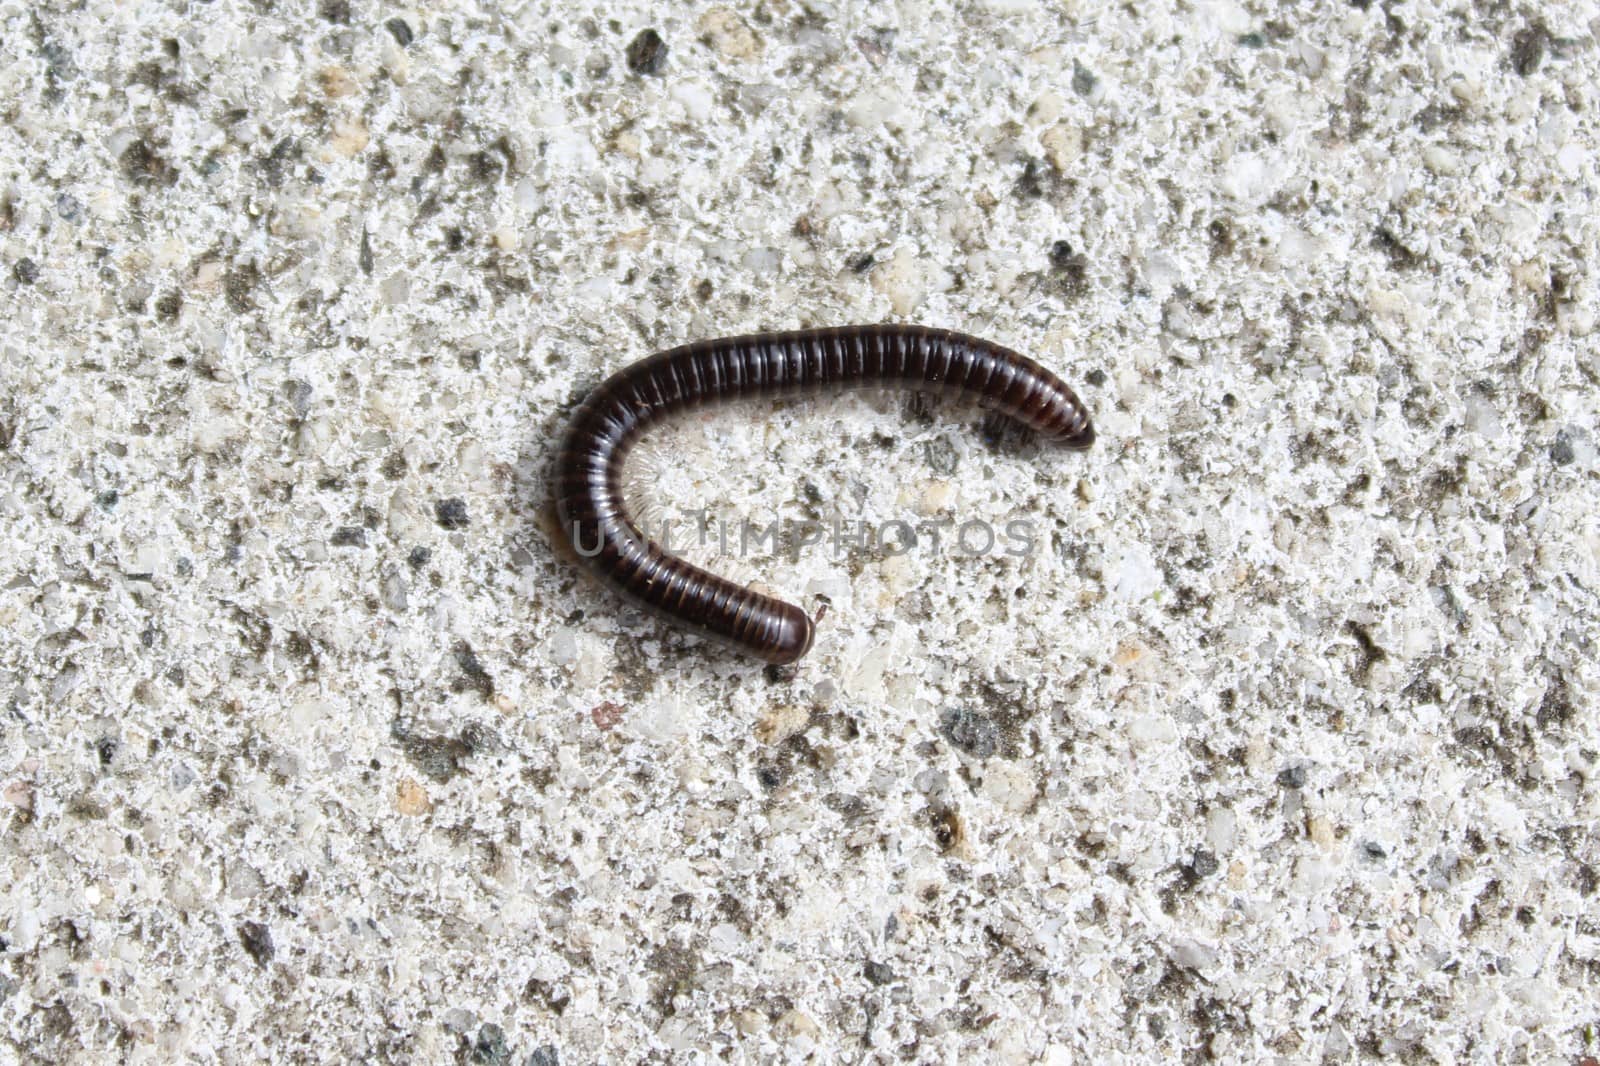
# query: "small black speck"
[[470, 360], [454, 239], [1229, 400], [394, 466], [647, 53], [106, 750], [349, 537], [1069, 268], [1204, 864], [108, 499], [26, 271], [257, 941], [1253, 40], [972, 731], [1095, 377], [1292, 777], [400, 30], [169, 305], [419, 557], [364, 256], [769, 776], [1561, 452], [862, 263], [337, 11], [451, 513], [878, 973], [545, 1055], [704, 291], [1374, 850]]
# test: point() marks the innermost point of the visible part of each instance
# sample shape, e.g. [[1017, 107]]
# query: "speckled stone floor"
[[1277, 742]]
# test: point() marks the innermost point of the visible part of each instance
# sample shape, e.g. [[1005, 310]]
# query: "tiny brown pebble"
[[336, 81], [606, 715], [410, 798]]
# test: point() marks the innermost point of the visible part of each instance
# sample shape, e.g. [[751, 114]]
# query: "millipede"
[[588, 469]]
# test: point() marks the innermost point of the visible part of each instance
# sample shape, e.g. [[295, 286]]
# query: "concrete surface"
[[1280, 745]]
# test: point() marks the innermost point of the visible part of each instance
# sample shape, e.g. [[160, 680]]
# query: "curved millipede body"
[[588, 474]]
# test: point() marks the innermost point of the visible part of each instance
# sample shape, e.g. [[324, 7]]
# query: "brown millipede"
[[588, 474]]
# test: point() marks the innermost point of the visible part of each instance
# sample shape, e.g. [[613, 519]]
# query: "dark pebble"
[[257, 941], [472, 669], [350, 537], [26, 271], [238, 285], [547, 1055], [1083, 79], [971, 731], [298, 393], [769, 776], [400, 30], [1528, 47], [1374, 850], [1204, 864], [647, 53], [490, 1048], [439, 757], [1095, 377], [419, 557], [1561, 452], [877, 973], [1292, 777], [169, 305], [451, 513], [142, 166], [105, 750]]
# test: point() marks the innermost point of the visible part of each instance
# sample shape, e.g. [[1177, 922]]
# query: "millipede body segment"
[[588, 474]]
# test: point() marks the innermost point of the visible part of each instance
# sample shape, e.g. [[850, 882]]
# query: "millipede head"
[[789, 636]]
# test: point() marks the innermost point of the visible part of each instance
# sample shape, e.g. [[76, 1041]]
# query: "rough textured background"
[[1282, 746]]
